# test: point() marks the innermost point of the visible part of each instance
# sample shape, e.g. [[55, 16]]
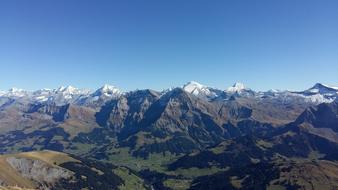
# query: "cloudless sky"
[[284, 44]]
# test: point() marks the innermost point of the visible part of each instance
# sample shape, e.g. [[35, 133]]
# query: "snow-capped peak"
[[200, 90], [67, 94], [319, 93], [16, 92], [107, 90], [68, 89], [193, 87], [322, 88], [237, 87], [43, 90], [274, 91]]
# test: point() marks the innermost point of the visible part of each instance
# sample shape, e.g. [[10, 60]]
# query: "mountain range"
[[319, 93], [189, 137]]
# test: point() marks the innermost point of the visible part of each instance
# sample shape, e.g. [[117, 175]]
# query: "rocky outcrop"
[[38, 171]]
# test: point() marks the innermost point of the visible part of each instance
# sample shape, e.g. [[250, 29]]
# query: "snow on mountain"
[[320, 93], [42, 95], [322, 89], [237, 87], [163, 92], [107, 91], [200, 90], [60, 96], [100, 96], [319, 98], [195, 88], [69, 92], [16, 92], [317, 94], [64, 95], [273, 92]]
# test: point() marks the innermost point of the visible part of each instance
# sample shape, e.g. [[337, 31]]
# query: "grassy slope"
[[131, 181]]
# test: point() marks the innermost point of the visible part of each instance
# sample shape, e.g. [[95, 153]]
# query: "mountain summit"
[[200, 90], [237, 87], [108, 91], [323, 89], [195, 88]]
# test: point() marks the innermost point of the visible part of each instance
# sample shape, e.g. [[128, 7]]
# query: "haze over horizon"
[[161, 44]]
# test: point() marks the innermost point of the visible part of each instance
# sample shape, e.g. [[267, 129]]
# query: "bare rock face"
[[38, 171], [2, 183]]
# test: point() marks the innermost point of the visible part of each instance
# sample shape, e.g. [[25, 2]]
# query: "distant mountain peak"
[[323, 86], [237, 87], [319, 93], [200, 90], [14, 89], [193, 87], [107, 90], [69, 89], [320, 88], [16, 92], [108, 87]]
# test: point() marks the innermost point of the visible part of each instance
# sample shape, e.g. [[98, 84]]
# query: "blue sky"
[[285, 44]]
